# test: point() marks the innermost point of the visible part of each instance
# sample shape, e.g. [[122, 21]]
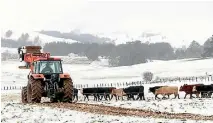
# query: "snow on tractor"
[[46, 77]]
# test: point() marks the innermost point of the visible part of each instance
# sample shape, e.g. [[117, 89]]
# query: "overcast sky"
[[189, 20]]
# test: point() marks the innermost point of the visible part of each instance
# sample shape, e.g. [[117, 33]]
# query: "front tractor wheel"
[[68, 90], [24, 94], [34, 91]]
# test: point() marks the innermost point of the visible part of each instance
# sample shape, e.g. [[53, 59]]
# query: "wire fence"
[[168, 80]]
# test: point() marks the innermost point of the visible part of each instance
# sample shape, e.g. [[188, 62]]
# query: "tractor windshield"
[[50, 67]]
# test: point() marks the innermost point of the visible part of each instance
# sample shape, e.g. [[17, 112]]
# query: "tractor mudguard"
[[38, 76], [64, 76]]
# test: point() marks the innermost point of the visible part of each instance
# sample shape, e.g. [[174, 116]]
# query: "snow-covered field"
[[96, 73], [12, 111], [194, 106]]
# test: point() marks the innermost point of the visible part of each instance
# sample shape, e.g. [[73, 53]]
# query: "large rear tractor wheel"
[[34, 91], [24, 94], [68, 90]]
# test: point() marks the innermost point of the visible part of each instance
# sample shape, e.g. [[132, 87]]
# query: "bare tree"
[[37, 40], [8, 33], [148, 76]]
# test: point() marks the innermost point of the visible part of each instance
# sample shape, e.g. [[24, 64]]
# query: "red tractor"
[[46, 77]]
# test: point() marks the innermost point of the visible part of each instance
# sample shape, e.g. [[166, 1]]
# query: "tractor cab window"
[[35, 69], [50, 67]]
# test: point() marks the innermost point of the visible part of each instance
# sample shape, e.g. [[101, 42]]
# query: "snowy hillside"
[[123, 37], [148, 36], [33, 34]]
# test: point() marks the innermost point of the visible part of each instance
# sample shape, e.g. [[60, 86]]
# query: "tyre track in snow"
[[118, 111]]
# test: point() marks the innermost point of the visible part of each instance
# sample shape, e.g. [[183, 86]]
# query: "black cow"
[[89, 92], [104, 92], [75, 94], [205, 90], [153, 89], [135, 90]]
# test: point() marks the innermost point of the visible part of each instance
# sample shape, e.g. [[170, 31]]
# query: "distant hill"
[[83, 38], [17, 38]]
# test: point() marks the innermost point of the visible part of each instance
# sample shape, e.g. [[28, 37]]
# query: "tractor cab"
[[47, 67], [50, 69]]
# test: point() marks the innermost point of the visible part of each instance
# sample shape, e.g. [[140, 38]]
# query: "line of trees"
[[21, 41], [132, 52]]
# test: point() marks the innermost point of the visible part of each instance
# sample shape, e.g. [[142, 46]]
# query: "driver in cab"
[[47, 68]]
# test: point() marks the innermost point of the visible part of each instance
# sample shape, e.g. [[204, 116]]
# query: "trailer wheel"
[[68, 90], [34, 91], [24, 94]]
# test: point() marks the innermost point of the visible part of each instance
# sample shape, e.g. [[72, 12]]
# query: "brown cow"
[[168, 90], [117, 93], [190, 89]]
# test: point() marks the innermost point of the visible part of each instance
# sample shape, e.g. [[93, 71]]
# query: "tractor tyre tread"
[[68, 90], [24, 94], [36, 90]]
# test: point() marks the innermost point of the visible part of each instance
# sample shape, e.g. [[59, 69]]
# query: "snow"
[[13, 112], [9, 50], [194, 106], [121, 37]]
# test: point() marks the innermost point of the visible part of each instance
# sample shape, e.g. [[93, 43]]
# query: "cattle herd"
[[130, 92]]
